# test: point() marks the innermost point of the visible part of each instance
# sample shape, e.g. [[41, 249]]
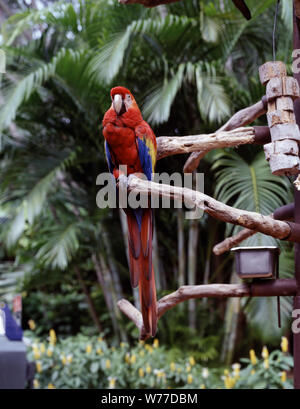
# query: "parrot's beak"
[[117, 103]]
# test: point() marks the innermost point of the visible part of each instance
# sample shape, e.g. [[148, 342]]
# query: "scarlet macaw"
[[130, 141]]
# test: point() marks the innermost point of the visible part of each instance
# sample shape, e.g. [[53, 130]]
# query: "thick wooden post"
[[282, 153], [296, 45]]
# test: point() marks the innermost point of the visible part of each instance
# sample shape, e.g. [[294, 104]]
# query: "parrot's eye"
[[128, 97]]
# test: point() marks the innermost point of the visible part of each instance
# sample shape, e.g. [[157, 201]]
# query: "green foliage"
[[90, 362], [188, 71]]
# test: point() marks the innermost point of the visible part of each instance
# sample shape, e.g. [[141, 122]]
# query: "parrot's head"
[[122, 100]]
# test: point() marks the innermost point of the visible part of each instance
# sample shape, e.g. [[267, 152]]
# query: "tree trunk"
[[192, 268], [231, 324], [112, 265], [123, 220], [109, 294], [181, 274], [89, 300]]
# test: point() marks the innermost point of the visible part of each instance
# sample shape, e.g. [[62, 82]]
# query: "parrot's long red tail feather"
[[140, 236]]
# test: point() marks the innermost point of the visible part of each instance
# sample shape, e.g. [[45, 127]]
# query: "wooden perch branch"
[[241, 118], [285, 212], [173, 145], [266, 288], [232, 241], [228, 214]]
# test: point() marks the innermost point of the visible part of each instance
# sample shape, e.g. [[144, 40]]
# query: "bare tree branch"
[[241, 118], [251, 220], [263, 288], [173, 145]]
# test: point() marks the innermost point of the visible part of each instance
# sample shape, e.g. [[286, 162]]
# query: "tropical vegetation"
[[190, 65]]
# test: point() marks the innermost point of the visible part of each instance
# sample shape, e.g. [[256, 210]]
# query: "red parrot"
[[130, 141]]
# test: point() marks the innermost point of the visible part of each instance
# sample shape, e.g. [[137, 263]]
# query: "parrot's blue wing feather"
[[146, 148], [110, 163], [145, 158]]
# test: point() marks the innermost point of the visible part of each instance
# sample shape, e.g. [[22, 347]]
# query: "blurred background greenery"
[[190, 65]]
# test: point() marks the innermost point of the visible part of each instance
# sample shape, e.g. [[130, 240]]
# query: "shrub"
[[89, 362]]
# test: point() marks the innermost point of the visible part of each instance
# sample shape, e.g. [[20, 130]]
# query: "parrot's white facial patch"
[[127, 101]]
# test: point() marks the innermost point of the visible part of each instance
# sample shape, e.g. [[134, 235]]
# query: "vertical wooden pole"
[[296, 46]]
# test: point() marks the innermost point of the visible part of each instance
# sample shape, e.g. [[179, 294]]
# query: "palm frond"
[[24, 88], [61, 245], [158, 104], [34, 201]]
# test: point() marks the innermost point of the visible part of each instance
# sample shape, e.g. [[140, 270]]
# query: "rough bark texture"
[[251, 220], [184, 293], [173, 145], [282, 152], [241, 118]]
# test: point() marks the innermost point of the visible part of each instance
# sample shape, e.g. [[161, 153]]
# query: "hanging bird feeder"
[[257, 262]]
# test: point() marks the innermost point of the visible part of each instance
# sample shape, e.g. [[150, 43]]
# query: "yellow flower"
[[229, 382], [148, 368], [127, 358], [122, 344], [42, 348], [64, 360], [38, 366], [173, 366], [141, 342], [266, 363], [36, 352], [100, 339], [36, 384], [141, 373], [189, 378], [202, 386], [112, 383], [51, 386], [32, 325], [99, 351], [253, 358], [69, 359], [179, 369], [192, 360], [156, 343], [283, 376], [252, 372], [52, 337], [113, 349], [149, 348], [88, 348], [107, 364], [49, 352], [133, 359], [265, 353], [159, 373], [226, 372], [188, 368], [142, 353], [284, 344]]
